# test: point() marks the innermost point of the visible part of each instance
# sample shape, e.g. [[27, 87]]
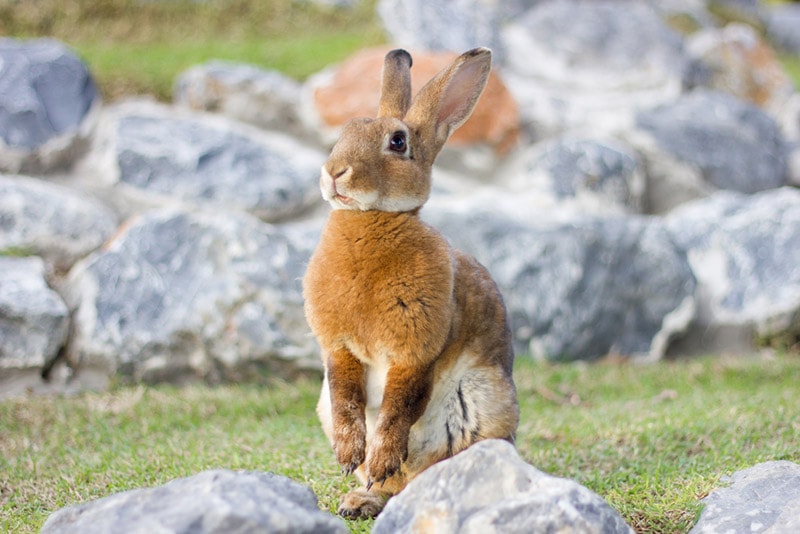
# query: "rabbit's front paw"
[[387, 453], [349, 444]]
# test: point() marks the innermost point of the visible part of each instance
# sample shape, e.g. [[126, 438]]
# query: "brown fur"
[[414, 335]]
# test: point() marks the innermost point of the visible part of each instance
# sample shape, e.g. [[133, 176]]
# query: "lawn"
[[651, 439]]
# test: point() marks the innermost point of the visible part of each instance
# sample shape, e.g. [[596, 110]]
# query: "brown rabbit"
[[415, 340]]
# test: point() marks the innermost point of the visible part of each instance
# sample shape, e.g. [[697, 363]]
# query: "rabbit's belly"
[[376, 382]]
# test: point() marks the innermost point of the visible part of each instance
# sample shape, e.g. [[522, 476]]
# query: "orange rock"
[[354, 90]]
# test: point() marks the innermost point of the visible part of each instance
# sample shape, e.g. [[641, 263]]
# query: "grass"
[[135, 47], [17, 252], [652, 440], [792, 66]]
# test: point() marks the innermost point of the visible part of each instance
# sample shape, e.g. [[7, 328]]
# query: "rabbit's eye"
[[397, 142]]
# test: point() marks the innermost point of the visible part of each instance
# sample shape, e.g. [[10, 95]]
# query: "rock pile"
[[628, 200]]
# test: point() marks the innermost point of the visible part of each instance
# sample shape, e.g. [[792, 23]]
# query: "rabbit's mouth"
[[343, 199], [337, 195], [329, 190]]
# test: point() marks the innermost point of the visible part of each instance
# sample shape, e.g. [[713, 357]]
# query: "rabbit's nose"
[[338, 174]]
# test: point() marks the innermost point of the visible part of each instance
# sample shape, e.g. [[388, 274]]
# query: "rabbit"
[[414, 335]]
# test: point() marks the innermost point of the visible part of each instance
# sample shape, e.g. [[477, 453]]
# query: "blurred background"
[[140, 46], [137, 47]]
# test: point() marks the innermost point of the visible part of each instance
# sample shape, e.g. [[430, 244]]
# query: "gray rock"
[[489, 489], [598, 174], [218, 501], [157, 156], [705, 141], [764, 498], [59, 224], [46, 95], [452, 26], [744, 251], [185, 296], [782, 21], [34, 324], [265, 98], [582, 289], [578, 65], [791, 131]]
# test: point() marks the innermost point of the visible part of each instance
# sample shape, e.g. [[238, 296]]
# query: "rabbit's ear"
[[447, 101], [395, 84]]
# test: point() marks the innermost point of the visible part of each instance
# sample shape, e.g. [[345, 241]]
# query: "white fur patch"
[[399, 204], [340, 197], [377, 370]]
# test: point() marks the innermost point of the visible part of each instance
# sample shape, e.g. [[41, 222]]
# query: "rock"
[[217, 501], [47, 99], [791, 131], [185, 296], [59, 224], [600, 175], [586, 66], [34, 324], [782, 21], [705, 141], [583, 289], [744, 252], [488, 489], [154, 156], [264, 98], [763, 498], [452, 26], [353, 89], [737, 61]]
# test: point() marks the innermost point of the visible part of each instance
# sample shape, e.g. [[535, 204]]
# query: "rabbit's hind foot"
[[361, 503]]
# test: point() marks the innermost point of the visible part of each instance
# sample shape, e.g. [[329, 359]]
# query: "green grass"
[[139, 48], [792, 66], [17, 252], [652, 440], [151, 68]]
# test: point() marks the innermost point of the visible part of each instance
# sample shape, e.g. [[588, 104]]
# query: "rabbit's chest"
[[388, 292], [369, 287]]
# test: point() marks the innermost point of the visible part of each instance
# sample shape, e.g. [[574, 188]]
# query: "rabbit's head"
[[385, 163]]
